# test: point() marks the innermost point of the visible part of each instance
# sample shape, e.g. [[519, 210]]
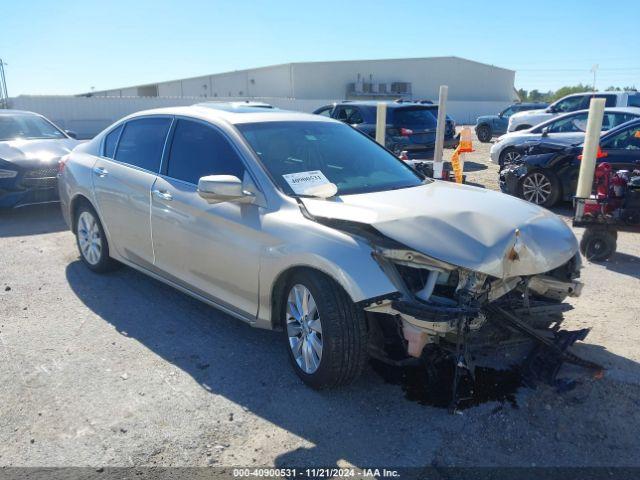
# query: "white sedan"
[[568, 128]]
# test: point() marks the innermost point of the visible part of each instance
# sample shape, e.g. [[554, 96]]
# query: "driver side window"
[[626, 140], [507, 112], [575, 123], [569, 104]]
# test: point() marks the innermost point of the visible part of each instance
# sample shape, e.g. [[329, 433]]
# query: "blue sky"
[[67, 46]]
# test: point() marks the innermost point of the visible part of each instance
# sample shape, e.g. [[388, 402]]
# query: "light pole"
[[594, 69], [4, 96]]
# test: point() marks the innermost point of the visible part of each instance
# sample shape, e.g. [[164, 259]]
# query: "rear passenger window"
[[111, 141], [142, 141], [199, 150], [634, 100]]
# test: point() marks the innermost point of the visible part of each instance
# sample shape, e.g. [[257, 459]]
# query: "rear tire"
[[321, 320], [598, 244], [484, 133], [91, 240]]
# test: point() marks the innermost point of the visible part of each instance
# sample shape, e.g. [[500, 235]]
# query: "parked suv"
[[571, 103], [489, 126], [299, 223], [411, 126]]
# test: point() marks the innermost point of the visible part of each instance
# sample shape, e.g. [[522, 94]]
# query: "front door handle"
[[163, 195], [101, 172]]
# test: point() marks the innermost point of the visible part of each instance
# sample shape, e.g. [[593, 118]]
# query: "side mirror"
[[545, 132], [71, 133], [551, 109], [223, 188], [501, 114]]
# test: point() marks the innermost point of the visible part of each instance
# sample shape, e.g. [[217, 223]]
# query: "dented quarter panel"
[[470, 227]]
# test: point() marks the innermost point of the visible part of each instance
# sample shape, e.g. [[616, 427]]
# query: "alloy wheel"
[[511, 156], [89, 238], [304, 329], [536, 188]]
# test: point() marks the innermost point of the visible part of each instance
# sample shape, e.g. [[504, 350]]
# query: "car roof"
[[234, 114], [530, 104], [18, 112], [634, 110], [389, 103]]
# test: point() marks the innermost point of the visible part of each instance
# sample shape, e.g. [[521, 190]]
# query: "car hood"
[[25, 153], [486, 118], [465, 226], [526, 113]]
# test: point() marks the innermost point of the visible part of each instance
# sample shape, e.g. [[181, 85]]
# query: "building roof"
[[290, 64]]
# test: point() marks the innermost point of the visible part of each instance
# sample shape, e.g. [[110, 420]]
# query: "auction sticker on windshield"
[[301, 182]]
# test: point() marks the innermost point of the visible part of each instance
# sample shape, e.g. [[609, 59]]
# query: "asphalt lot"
[[121, 370]]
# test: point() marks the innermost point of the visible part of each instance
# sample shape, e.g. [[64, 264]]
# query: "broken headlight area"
[[472, 317]]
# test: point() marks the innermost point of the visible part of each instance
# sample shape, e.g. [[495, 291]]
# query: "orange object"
[[466, 144], [599, 154]]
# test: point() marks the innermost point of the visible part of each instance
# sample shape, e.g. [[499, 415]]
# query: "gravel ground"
[[121, 370]]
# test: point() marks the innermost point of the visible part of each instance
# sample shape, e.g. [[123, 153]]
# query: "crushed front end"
[[472, 317]]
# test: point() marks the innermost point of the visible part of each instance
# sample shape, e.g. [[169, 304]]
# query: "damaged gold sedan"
[[300, 223]]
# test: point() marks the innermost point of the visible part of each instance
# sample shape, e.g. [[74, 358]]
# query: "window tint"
[[349, 115], [326, 111], [610, 100], [198, 150], [415, 117], [142, 141], [506, 113], [634, 100], [611, 120], [628, 139], [110, 142], [574, 123], [571, 104]]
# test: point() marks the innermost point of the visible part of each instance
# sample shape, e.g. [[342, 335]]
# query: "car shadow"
[[623, 263], [31, 220], [471, 166], [250, 368]]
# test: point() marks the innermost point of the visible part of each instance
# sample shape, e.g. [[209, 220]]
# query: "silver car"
[[565, 129], [300, 223]]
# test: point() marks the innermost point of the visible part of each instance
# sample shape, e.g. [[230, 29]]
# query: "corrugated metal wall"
[[89, 115]]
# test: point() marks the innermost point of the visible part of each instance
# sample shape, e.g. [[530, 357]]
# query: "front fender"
[[343, 257]]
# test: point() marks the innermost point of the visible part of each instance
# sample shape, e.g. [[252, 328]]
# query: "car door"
[[622, 150], [211, 249], [122, 185]]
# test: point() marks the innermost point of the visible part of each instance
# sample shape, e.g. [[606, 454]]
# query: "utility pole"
[[4, 96], [594, 69]]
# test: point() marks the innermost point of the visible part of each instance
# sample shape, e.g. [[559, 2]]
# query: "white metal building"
[[474, 89], [411, 78]]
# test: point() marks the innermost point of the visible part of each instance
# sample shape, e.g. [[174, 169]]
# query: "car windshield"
[[324, 152], [417, 117], [13, 127]]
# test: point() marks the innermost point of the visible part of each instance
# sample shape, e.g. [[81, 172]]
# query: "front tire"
[[508, 155], [484, 133], [325, 333], [540, 187], [92, 242]]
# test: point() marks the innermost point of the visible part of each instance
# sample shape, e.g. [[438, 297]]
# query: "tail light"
[[405, 132], [599, 154]]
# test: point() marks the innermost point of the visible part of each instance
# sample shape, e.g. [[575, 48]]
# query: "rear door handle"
[[101, 172], [163, 195]]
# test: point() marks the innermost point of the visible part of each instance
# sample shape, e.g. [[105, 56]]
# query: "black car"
[[548, 172], [411, 126], [30, 147]]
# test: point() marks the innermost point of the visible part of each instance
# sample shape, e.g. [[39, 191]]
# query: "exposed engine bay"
[[443, 312]]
